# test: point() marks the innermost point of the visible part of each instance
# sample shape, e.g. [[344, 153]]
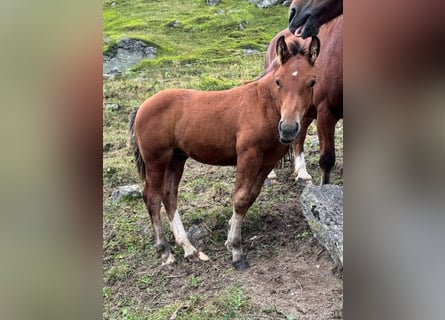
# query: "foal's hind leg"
[[173, 176], [154, 184], [326, 133], [300, 170]]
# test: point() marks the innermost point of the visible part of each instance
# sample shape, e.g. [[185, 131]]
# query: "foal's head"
[[293, 79]]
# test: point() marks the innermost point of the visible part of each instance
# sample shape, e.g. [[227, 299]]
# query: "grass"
[[229, 305], [199, 47], [193, 32]]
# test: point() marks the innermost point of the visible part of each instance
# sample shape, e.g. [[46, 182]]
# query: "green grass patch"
[[193, 32], [230, 304]]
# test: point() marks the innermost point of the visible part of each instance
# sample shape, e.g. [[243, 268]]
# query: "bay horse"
[[249, 126], [327, 103], [307, 16]]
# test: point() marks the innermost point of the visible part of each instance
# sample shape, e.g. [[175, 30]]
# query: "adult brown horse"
[[307, 16], [250, 126], [327, 106]]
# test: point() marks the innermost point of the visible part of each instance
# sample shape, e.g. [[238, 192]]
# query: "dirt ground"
[[290, 276]]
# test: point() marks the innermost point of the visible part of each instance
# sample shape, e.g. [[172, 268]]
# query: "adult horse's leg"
[[249, 180], [326, 133], [173, 176], [300, 170], [153, 194]]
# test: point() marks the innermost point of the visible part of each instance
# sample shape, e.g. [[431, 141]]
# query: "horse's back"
[[199, 123], [156, 117]]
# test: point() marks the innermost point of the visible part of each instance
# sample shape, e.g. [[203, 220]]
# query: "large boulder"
[[125, 54], [323, 208]]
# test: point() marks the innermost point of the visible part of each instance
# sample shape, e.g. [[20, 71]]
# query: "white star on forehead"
[[294, 73]]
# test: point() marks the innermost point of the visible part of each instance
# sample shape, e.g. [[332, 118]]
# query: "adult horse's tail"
[[140, 164]]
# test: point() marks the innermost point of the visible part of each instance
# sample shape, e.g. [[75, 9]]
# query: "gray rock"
[[173, 24], [212, 2], [323, 208], [115, 70], [133, 45], [268, 3], [127, 53], [107, 147], [126, 193], [198, 235], [250, 51], [112, 106]]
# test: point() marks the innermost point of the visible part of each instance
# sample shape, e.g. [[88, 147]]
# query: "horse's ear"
[[314, 49], [283, 52]]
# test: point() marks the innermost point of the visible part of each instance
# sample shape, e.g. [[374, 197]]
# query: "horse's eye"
[[278, 82], [312, 83]]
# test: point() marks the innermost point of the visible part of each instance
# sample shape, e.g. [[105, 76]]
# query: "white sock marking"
[[272, 175], [300, 168], [181, 236], [235, 233]]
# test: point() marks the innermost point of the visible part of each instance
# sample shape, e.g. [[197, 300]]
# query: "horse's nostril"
[[289, 127]]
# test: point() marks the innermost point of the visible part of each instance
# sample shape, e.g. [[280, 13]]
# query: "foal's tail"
[[140, 164]]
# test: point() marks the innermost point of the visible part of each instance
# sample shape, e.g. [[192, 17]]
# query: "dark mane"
[[296, 48]]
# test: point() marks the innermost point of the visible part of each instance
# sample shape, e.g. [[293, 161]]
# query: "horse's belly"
[[213, 154], [229, 161]]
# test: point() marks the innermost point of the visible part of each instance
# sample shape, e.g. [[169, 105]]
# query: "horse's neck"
[[332, 25], [267, 99]]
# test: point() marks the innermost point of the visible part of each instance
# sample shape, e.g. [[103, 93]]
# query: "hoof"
[[197, 256], [241, 264], [303, 183], [302, 175], [190, 252], [169, 260], [202, 256]]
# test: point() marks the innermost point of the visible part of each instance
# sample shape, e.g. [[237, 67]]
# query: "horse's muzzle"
[[288, 132]]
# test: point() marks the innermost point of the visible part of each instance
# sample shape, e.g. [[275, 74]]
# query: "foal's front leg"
[[249, 180]]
